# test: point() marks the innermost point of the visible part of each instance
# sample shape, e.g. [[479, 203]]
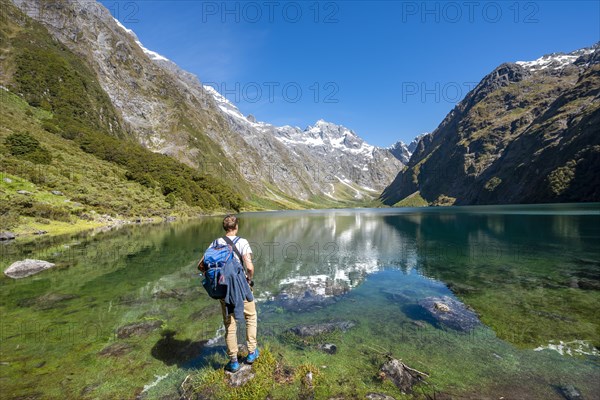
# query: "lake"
[[530, 274]]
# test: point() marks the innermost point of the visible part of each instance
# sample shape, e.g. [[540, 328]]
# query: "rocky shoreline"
[[100, 223]]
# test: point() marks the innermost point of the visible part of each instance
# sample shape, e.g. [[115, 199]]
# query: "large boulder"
[[451, 313], [22, 269], [7, 236]]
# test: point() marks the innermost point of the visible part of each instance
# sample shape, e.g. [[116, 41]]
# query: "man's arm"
[[249, 265], [201, 264]]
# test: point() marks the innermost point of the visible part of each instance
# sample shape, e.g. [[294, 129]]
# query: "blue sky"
[[388, 70]]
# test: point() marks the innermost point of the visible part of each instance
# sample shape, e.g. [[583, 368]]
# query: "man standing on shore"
[[243, 252]]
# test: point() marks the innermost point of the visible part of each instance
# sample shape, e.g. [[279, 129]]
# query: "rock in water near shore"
[[6, 236], [138, 328], [570, 392], [450, 313], [401, 375], [25, 268], [318, 329], [328, 348]]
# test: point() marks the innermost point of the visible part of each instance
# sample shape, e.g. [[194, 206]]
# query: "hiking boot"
[[252, 356], [232, 366]]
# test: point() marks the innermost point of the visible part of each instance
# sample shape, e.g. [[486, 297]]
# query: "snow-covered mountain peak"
[[403, 151], [555, 61]]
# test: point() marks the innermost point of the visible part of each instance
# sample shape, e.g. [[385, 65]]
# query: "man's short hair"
[[230, 222]]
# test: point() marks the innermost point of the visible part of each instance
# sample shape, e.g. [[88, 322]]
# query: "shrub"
[[492, 184], [9, 220], [560, 179], [25, 146]]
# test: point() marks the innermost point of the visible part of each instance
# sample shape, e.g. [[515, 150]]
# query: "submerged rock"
[[319, 329], [241, 377], [116, 350], [308, 302], [53, 300], [178, 293], [461, 288], [328, 348], [570, 392], [400, 296], [138, 328], [402, 376], [25, 268], [450, 313], [309, 293]]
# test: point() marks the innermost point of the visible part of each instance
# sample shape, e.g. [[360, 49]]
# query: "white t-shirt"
[[242, 245]]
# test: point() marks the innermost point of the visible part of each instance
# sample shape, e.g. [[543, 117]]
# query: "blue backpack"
[[215, 258]]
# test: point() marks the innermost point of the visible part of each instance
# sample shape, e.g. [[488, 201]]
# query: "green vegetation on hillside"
[[69, 103], [85, 186], [25, 146], [414, 200]]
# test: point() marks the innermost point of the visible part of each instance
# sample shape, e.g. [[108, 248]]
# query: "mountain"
[[322, 159], [170, 112], [528, 133], [412, 146], [402, 151]]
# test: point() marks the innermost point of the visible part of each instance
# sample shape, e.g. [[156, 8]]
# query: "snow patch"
[[228, 108], [152, 54], [347, 182], [559, 60]]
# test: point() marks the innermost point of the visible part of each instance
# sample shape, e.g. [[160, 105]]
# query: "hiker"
[[239, 302]]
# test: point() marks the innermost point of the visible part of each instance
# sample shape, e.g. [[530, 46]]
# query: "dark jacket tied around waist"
[[238, 289]]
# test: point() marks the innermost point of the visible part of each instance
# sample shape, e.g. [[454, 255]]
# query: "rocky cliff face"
[[528, 133], [170, 112]]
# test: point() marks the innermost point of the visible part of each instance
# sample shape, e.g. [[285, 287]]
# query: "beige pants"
[[231, 328]]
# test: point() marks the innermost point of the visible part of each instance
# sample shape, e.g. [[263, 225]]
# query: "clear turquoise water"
[[531, 273]]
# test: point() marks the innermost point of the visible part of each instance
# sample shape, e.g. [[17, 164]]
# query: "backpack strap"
[[236, 251]]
